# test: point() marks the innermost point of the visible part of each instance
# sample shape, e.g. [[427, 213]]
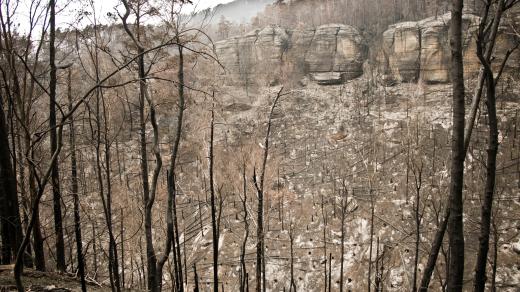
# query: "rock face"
[[245, 56], [330, 54], [414, 50], [402, 49], [335, 53], [421, 50], [336, 50]]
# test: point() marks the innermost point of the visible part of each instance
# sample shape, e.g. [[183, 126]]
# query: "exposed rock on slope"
[[331, 53], [254, 52], [420, 49], [334, 53], [402, 49], [414, 50], [336, 50]]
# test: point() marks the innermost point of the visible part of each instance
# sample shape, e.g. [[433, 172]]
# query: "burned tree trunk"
[[75, 190], [259, 185], [213, 206], [56, 192], [456, 205]]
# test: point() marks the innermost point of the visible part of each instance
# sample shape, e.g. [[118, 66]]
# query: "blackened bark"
[[243, 268], [10, 214], [370, 249], [292, 285], [259, 185], [455, 223], [39, 254], [342, 248], [212, 199], [195, 279], [150, 252], [487, 204], [330, 272], [56, 192], [75, 194], [418, 218], [491, 163], [434, 252], [175, 151]]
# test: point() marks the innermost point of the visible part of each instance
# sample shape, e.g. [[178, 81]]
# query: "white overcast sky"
[[69, 15]]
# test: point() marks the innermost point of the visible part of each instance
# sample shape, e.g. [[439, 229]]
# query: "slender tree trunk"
[[455, 223], [122, 238], [487, 204], [243, 268], [418, 217], [39, 254], [260, 252], [75, 191], [342, 248], [495, 256], [56, 192], [213, 207], [150, 252], [195, 279], [324, 241], [330, 272], [175, 150], [94, 251], [372, 215], [292, 287], [108, 172]]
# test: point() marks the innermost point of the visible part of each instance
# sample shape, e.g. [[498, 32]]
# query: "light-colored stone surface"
[[402, 46], [263, 54], [328, 78], [410, 51], [414, 50]]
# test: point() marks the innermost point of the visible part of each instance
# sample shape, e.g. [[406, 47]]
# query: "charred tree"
[[56, 192], [259, 185], [75, 190], [456, 205], [212, 201]]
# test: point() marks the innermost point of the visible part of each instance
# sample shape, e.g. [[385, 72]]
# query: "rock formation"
[[330, 53], [421, 50], [414, 50], [334, 53]]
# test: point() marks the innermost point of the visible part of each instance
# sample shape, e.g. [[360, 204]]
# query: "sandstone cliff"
[[330, 53], [334, 53]]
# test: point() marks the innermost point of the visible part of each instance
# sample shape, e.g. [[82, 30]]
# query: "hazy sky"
[[210, 3], [69, 14]]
